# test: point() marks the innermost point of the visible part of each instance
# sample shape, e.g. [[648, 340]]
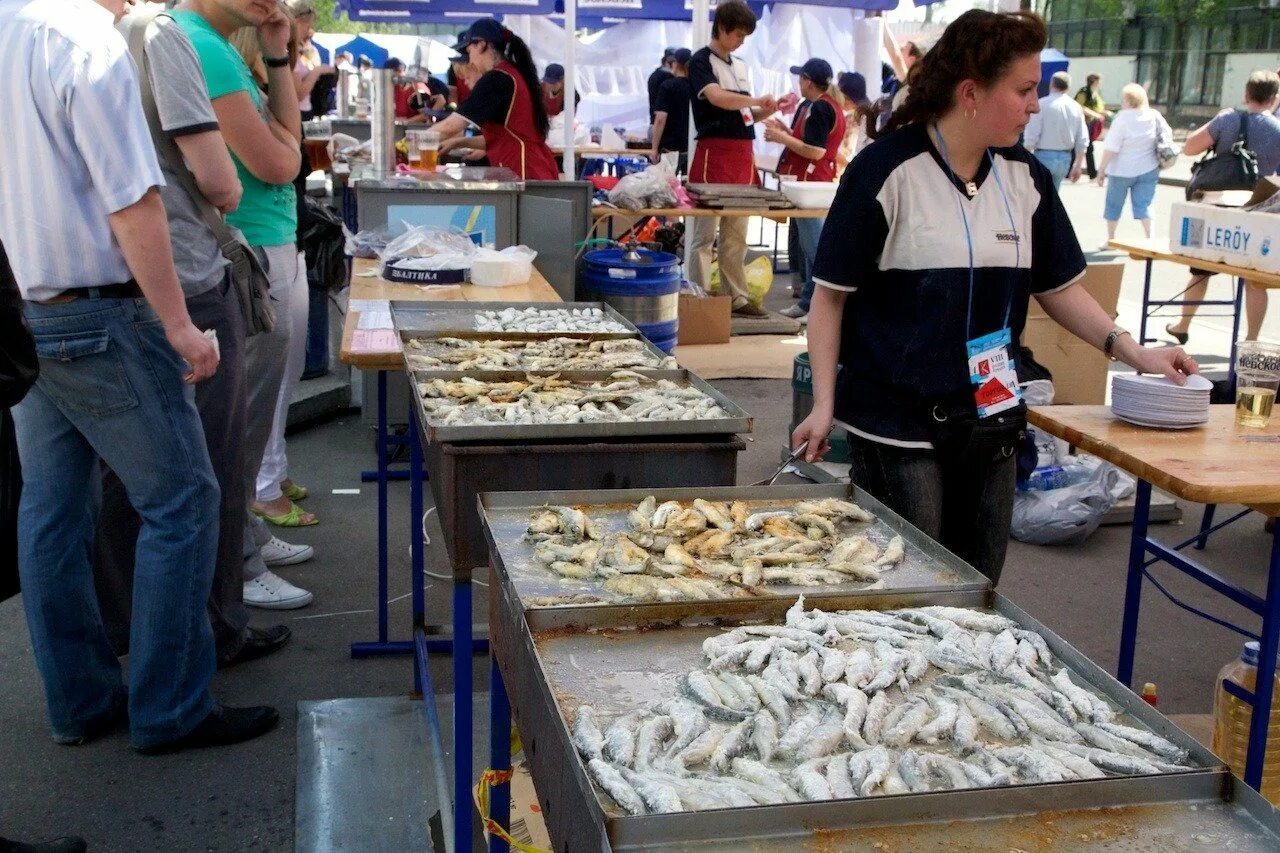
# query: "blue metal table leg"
[[1133, 585], [416, 559], [499, 755], [382, 506], [1146, 304], [1262, 694], [1206, 522], [462, 713], [1235, 330]]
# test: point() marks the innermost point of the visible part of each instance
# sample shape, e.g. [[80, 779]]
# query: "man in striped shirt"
[[85, 229]]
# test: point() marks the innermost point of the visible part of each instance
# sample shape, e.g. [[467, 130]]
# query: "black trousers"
[[966, 503], [220, 400], [1089, 165]]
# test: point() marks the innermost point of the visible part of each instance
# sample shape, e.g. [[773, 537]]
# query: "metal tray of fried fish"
[[416, 316], [430, 344], [621, 660], [926, 565], [737, 422]]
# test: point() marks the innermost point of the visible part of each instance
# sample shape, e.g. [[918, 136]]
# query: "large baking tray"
[[927, 566], [737, 422], [615, 658], [410, 315], [431, 337]]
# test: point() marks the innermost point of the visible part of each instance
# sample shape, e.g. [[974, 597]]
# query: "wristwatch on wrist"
[[282, 62], [1110, 342]]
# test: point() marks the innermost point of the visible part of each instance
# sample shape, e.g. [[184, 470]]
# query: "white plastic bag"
[[1050, 450], [429, 248], [1067, 516], [513, 265], [648, 189]]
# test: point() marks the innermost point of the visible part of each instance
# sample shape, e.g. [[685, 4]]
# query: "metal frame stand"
[[1145, 552], [1149, 308]]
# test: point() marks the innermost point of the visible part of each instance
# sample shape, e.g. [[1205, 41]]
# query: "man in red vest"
[[811, 144]]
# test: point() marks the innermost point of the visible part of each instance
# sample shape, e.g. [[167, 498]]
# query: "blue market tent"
[[1051, 62], [361, 46]]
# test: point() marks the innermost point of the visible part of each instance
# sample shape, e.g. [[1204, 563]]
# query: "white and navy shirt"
[[706, 68], [894, 239], [79, 145]]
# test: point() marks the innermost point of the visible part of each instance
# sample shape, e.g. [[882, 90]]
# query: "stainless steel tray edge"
[[738, 422], [407, 335]]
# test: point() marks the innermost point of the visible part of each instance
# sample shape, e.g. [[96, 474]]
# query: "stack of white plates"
[[1156, 401]]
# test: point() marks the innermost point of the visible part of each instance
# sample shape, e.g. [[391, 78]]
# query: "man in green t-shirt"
[[1095, 115], [264, 133]]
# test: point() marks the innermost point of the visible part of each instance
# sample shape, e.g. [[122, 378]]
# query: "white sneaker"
[[804, 319], [277, 552], [272, 592], [795, 312]]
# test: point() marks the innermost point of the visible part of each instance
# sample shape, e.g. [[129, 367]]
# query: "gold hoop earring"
[[971, 114]]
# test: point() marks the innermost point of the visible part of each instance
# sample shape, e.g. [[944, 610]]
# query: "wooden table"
[[1151, 250], [1216, 463]]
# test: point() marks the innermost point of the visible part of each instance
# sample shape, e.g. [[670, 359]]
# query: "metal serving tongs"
[[795, 454]]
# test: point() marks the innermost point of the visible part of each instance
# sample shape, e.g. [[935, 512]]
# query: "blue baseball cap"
[[554, 73], [817, 70], [485, 29], [682, 55]]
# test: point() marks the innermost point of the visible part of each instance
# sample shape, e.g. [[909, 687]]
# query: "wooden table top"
[[378, 355], [1151, 249], [600, 212], [1218, 463]]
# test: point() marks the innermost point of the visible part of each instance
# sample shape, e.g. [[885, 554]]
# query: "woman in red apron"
[[724, 113], [505, 104], [810, 148]]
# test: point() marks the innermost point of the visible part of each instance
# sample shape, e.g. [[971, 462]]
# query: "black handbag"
[[1236, 169]]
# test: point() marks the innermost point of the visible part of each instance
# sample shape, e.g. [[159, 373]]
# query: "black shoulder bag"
[[1236, 169]]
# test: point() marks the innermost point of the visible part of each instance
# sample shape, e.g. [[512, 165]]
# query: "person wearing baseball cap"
[[671, 112], [660, 75], [505, 104], [809, 153], [553, 90]]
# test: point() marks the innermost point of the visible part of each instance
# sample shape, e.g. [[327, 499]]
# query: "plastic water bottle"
[[1231, 718], [1055, 477]]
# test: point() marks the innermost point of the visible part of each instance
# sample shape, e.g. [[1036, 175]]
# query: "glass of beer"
[[1257, 380], [430, 149], [413, 147]]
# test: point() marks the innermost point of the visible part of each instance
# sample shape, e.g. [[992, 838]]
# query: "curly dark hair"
[[976, 46]]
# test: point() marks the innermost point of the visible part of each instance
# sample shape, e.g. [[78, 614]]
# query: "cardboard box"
[[705, 319], [527, 824], [1079, 370], [1226, 235]]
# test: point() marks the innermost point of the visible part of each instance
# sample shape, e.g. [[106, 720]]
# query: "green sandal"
[[292, 518], [295, 492]]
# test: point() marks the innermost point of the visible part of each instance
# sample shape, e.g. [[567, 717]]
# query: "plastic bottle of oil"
[[1231, 722]]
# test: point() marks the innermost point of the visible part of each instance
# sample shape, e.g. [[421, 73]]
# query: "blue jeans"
[[111, 387], [1058, 163], [1141, 190], [808, 231]]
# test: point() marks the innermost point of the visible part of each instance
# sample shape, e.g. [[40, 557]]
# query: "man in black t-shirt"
[[671, 112], [660, 75]]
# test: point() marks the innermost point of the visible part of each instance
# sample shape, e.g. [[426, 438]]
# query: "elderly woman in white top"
[[1129, 159]]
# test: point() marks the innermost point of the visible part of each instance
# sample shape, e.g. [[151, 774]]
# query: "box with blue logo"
[[1227, 235]]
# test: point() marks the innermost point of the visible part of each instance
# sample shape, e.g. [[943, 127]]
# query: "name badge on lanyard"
[[993, 374], [992, 371]]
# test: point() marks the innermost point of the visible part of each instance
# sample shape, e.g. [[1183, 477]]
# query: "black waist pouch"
[[956, 431]]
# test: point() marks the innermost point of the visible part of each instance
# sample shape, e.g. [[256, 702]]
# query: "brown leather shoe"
[[749, 310]]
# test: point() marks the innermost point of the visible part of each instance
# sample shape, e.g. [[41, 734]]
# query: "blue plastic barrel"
[[646, 292]]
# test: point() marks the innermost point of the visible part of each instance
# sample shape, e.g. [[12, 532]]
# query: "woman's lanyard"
[[991, 366]]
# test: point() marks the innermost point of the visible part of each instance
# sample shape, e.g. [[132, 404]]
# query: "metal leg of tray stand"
[[462, 712], [1267, 647], [421, 652], [1146, 305], [416, 558], [499, 755], [1206, 523], [1133, 584]]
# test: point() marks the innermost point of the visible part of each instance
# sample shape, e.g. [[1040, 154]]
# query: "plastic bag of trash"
[[1068, 515], [759, 280], [1050, 450], [648, 189]]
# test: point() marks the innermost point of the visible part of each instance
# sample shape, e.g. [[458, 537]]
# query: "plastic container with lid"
[[1231, 717]]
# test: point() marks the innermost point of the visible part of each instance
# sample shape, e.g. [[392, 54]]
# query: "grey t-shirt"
[[1264, 137], [182, 102]]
